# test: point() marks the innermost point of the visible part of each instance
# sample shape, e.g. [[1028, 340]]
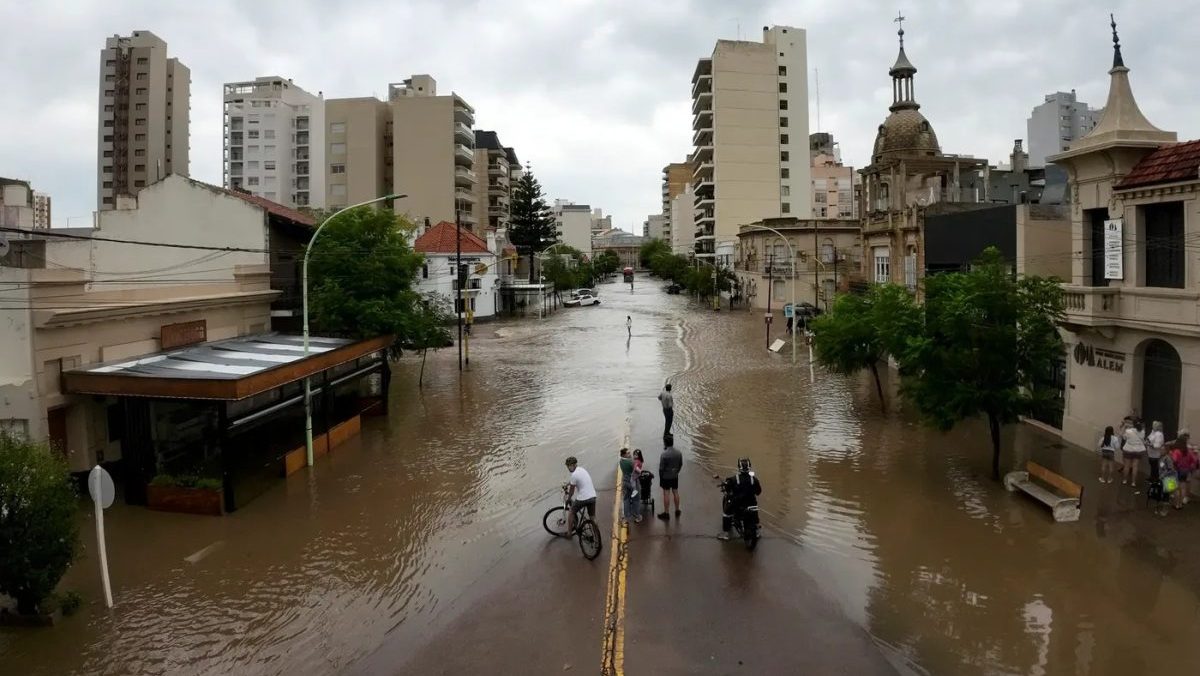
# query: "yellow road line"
[[612, 657]]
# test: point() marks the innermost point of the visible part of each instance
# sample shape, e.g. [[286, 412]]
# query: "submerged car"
[[582, 300], [674, 288]]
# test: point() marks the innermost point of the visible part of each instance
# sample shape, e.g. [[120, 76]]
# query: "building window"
[[783, 105], [910, 269], [251, 180], [141, 76], [785, 173], [337, 128], [108, 153], [108, 109], [139, 106], [142, 61], [819, 198], [108, 185], [785, 208], [268, 133], [139, 167], [140, 122], [337, 168], [783, 139], [139, 152], [108, 123], [108, 200], [253, 133], [827, 251], [110, 78], [785, 191], [1165, 246], [140, 91], [139, 137], [269, 165], [783, 121], [782, 87], [425, 271], [139, 183], [783, 70], [883, 264], [337, 148]]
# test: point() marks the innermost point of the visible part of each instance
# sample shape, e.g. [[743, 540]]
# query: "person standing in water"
[[629, 325]]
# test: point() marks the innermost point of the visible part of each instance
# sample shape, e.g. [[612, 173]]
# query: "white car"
[[583, 292], [582, 300]]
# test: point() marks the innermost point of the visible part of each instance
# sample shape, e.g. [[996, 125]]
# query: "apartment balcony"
[[464, 195], [703, 69], [463, 155], [466, 216], [702, 120], [1154, 308], [463, 133], [464, 177], [703, 137], [705, 204], [702, 83], [464, 113], [702, 102], [704, 170], [235, 169], [703, 187], [704, 153], [705, 218]]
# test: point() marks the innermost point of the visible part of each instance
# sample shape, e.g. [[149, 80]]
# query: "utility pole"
[[458, 275], [770, 284], [816, 270]]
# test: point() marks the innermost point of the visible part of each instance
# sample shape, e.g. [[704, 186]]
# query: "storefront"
[[232, 411]]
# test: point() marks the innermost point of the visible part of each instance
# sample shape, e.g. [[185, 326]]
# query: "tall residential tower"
[[1058, 121], [144, 111]]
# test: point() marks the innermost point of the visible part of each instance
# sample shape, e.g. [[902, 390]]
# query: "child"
[[1185, 461], [638, 461], [1108, 452]]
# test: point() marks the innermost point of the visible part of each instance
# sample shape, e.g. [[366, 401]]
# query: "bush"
[[39, 536], [70, 603]]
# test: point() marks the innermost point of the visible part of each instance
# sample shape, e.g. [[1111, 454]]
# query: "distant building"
[[1055, 123], [750, 107], [654, 227], [826, 251], [600, 222], [41, 210], [833, 184], [626, 245], [144, 111], [275, 141], [493, 180], [441, 248], [17, 205], [683, 222], [675, 179], [573, 224]]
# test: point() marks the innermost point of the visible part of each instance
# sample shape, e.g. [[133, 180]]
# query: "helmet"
[[743, 465]]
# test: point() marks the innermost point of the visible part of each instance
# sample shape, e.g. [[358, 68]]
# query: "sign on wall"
[[181, 334], [1098, 357], [1114, 259]]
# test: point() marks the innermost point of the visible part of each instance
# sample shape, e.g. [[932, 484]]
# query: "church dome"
[[905, 131]]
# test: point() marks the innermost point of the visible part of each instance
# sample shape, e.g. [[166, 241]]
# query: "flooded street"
[[418, 523]]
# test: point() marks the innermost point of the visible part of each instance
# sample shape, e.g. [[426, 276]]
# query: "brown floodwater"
[[404, 529]]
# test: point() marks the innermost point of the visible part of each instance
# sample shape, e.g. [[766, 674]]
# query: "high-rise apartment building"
[[750, 106], [573, 224], [600, 222], [144, 110], [1056, 122], [416, 143], [683, 222], [433, 153], [41, 210], [654, 227], [493, 180], [275, 141], [675, 179], [833, 191]]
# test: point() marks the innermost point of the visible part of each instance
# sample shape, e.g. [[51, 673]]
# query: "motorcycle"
[[745, 520]]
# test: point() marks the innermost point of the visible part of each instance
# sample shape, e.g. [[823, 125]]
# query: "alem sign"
[[1114, 260], [1086, 355]]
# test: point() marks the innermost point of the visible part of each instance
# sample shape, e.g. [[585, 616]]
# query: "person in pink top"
[[1184, 457]]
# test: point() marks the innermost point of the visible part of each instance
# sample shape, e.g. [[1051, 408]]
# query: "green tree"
[[862, 331], [607, 262], [651, 249], [531, 224], [986, 339], [39, 536], [427, 328], [362, 278]]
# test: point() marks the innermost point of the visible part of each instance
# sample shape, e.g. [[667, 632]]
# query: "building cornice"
[[62, 317]]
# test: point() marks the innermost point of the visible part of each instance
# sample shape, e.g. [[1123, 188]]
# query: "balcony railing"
[[1153, 306], [463, 154], [463, 131], [464, 176]]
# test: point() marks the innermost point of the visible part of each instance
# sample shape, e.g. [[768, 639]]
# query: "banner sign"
[[1114, 259]]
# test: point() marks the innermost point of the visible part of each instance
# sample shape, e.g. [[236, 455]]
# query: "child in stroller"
[[646, 481]]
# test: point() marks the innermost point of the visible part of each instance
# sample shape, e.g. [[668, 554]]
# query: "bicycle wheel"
[[555, 521], [589, 539]]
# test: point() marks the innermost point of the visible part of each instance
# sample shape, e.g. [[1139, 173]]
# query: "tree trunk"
[[421, 378], [531, 277], [878, 385], [994, 424]]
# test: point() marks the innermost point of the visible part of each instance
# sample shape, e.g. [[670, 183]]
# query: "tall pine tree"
[[531, 225]]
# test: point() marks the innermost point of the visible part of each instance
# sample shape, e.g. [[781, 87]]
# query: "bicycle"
[[555, 523]]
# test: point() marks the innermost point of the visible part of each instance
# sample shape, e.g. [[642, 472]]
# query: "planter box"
[[185, 500]]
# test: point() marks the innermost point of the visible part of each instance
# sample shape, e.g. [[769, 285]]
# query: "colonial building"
[[908, 172], [1132, 324], [825, 251], [442, 245]]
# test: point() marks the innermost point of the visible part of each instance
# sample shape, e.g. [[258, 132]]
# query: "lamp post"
[[792, 253], [308, 442]]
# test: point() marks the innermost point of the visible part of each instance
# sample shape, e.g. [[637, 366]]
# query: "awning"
[[220, 370]]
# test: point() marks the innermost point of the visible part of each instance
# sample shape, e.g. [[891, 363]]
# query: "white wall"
[[683, 222], [438, 277], [576, 229]]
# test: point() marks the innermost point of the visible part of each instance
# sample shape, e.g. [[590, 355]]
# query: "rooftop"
[[442, 239], [274, 208], [1169, 164]]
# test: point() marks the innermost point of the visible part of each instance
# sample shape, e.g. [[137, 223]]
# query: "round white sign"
[[100, 487]]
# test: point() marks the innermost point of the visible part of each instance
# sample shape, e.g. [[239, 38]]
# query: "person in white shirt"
[[1131, 454], [1155, 445], [581, 491]]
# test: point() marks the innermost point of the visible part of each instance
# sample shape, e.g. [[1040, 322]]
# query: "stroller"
[[645, 484]]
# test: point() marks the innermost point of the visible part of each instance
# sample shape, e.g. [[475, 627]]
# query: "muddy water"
[[407, 527]]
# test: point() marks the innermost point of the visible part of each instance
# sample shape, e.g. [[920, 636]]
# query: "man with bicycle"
[[580, 491]]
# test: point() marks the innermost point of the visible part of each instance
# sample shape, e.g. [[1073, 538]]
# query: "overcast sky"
[[594, 93]]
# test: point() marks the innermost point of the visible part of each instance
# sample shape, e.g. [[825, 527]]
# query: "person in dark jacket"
[[669, 464], [741, 491]]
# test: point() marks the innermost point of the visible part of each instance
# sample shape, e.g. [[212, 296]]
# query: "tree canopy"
[[39, 536], [652, 249], [986, 340], [531, 225], [861, 331], [362, 281]]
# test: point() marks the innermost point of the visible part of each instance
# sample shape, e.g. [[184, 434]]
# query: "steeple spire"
[[902, 75], [1117, 60]]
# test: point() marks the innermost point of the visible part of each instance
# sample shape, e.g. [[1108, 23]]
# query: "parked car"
[[674, 288], [582, 300], [583, 292]]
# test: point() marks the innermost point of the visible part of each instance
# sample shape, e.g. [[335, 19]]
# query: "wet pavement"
[[418, 547]]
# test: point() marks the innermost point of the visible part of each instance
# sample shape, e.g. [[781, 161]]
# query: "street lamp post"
[[792, 253], [308, 439]]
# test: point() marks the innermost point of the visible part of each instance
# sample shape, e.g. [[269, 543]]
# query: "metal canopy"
[[227, 369]]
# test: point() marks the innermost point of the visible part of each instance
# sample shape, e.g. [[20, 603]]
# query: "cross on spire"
[[900, 20], [1117, 60]]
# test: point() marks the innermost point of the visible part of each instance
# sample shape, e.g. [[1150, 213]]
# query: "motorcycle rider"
[[741, 491]]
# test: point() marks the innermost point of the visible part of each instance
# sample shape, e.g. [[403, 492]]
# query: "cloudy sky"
[[594, 93]]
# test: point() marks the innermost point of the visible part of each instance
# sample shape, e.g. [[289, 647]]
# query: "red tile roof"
[[274, 207], [441, 239], [1169, 164]]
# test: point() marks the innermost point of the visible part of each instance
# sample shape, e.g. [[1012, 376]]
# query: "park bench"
[[1055, 491]]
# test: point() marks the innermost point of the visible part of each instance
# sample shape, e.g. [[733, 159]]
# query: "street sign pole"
[[100, 485]]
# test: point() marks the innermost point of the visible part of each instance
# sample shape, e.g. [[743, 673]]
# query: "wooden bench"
[[1037, 481]]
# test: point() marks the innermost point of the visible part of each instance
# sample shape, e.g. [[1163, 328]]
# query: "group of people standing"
[[1171, 464]]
